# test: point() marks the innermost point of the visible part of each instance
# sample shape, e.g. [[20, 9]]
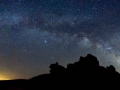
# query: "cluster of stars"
[[36, 33]]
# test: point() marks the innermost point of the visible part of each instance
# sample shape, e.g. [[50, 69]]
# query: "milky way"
[[36, 33]]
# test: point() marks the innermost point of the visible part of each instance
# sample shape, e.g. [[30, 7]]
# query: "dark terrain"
[[83, 74]]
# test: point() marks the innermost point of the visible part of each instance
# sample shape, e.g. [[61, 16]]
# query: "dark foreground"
[[81, 75]]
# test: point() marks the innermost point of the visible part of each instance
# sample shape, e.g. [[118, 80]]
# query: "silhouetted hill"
[[83, 74], [86, 73]]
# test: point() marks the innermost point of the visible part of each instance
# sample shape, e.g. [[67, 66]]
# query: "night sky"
[[37, 33]]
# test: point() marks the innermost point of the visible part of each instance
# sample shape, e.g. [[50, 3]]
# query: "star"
[[45, 41]]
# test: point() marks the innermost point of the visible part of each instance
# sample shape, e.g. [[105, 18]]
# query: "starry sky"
[[37, 33]]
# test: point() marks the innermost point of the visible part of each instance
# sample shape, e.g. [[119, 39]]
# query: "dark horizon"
[[36, 33], [89, 61], [83, 74]]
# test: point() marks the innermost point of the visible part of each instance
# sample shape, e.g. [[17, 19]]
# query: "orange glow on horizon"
[[4, 78]]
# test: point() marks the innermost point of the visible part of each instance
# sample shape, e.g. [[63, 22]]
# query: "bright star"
[[45, 41]]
